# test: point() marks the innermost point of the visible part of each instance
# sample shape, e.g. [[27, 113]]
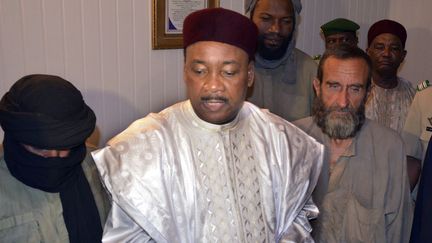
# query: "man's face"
[[335, 40], [47, 153], [339, 106], [387, 53], [217, 76], [275, 22]]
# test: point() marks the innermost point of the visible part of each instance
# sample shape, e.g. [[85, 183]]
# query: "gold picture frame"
[[165, 34]]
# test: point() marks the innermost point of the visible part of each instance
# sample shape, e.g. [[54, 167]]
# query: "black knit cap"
[[221, 25]]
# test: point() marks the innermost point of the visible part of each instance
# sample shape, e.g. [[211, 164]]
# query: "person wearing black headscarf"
[[47, 192]]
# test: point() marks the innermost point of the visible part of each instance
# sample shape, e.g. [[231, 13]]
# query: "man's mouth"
[[340, 111], [385, 63], [214, 103], [273, 42]]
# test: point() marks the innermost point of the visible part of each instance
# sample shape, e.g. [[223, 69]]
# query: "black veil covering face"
[[48, 112]]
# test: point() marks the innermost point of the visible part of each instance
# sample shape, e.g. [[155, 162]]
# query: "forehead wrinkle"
[[227, 62], [387, 38]]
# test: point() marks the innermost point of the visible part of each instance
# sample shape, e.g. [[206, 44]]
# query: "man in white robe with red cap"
[[213, 168]]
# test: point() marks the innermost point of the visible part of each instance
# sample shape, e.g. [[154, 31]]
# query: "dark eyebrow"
[[357, 85], [231, 62], [197, 61], [331, 82], [291, 17]]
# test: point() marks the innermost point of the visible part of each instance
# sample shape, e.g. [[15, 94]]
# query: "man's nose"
[[342, 99], [275, 27], [386, 51], [214, 83]]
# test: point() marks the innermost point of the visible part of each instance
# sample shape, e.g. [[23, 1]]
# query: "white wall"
[[317, 12], [414, 15], [104, 48]]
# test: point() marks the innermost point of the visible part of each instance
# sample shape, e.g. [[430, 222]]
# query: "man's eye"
[[379, 47], [355, 89], [287, 21], [396, 48], [229, 73], [198, 70], [265, 18]]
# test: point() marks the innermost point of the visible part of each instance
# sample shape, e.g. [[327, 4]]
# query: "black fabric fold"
[[59, 175]]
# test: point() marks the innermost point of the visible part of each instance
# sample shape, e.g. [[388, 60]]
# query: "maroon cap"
[[221, 25], [387, 26]]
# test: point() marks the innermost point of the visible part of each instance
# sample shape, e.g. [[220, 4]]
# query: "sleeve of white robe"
[[300, 230], [119, 228]]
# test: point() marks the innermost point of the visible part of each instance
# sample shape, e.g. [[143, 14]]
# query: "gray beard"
[[338, 126]]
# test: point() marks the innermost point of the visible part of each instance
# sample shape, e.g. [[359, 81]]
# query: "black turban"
[[47, 112]]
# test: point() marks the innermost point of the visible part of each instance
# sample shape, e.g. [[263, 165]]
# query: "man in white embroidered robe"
[[213, 168], [390, 96]]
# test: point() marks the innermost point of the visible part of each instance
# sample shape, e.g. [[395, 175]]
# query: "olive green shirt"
[[365, 198], [285, 90], [30, 215]]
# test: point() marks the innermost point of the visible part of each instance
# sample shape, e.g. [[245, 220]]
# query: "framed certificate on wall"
[[168, 16]]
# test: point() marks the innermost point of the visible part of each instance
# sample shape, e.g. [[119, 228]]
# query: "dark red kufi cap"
[[221, 25], [387, 26]]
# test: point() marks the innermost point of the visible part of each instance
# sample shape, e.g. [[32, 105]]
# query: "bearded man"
[[363, 192], [283, 73]]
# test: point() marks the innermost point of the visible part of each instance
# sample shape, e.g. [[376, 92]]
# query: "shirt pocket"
[[362, 224], [20, 229]]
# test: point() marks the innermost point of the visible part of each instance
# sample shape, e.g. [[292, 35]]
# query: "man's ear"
[[251, 73], [184, 73], [184, 65], [404, 52], [317, 86]]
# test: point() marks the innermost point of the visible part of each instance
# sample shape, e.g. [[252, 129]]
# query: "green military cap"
[[339, 25]]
